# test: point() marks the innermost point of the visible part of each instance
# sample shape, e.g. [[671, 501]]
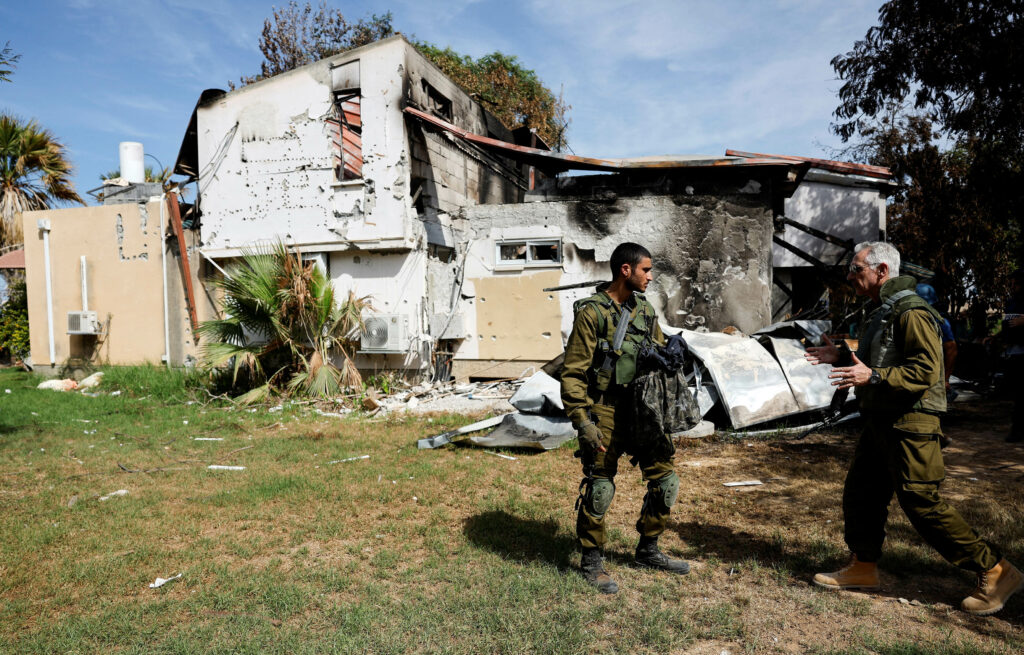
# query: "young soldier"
[[594, 379], [897, 374]]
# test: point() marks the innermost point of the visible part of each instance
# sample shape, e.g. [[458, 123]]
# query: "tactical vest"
[[878, 344], [641, 327]]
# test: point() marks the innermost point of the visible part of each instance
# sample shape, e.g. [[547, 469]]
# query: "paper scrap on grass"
[[159, 582], [742, 483], [207, 438], [224, 467], [115, 494], [348, 459]]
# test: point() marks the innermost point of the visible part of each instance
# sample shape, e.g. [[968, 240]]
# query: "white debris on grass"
[[491, 452], [207, 438], [225, 467], [115, 494], [159, 582], [348, 459], [742, 483], [92, 381]]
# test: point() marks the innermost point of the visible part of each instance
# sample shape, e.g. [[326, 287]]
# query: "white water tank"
[[132, 167]]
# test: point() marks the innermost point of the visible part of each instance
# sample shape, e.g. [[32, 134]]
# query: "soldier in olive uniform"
[[898, 379], [594, 380]]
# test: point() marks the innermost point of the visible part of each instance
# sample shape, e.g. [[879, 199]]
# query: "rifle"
[[620, 336]]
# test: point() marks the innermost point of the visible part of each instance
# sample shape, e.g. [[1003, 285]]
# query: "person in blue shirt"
[[949, 349]]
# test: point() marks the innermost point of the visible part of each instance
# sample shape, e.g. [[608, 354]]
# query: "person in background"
[[1013, 337], [949, 348]]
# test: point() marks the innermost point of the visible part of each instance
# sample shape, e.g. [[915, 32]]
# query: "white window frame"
[[506, 264]]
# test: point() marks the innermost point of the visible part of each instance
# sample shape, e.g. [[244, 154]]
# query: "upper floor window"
[[347, 135]]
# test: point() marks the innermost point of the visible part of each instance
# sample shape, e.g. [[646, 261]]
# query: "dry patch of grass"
[[452, 550]]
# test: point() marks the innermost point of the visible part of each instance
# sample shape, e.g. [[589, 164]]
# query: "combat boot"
[[995, 587], [592, 565], [649, 556], [855, 575]]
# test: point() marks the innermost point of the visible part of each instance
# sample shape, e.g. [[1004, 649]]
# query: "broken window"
[[529, 252], [436, 103], [347, 135]]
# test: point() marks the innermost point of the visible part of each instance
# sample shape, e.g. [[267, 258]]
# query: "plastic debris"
[[207, 438], [742, 483], [491, 452], [115, 494], [159, 582], [92, 381], [225, 467], [59, 385], [348, 459]]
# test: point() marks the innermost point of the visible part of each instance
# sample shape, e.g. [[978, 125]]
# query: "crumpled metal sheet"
[[528, 431], [751, 384], [540, 394], [810, 384], [813, 331]]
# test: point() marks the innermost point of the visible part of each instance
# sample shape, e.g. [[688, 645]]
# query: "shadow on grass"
[[521, 539]]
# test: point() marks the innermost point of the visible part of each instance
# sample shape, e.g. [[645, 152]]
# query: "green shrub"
[[14, 322]]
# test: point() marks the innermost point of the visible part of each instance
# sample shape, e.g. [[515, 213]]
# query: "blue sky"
[[643, 78]]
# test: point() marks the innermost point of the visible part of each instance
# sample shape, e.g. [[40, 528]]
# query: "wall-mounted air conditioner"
[[83, 323], [385, 333]]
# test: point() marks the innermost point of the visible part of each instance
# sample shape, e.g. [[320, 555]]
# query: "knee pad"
[[662, 493], [599, 497]]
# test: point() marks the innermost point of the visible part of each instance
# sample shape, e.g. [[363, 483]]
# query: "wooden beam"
[[186, 271]]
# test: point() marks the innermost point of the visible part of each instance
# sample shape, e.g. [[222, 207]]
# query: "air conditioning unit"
[[83, 323], [385, 333]]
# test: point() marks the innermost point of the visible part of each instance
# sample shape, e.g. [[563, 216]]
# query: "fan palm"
[[34, 173], [282, 327]]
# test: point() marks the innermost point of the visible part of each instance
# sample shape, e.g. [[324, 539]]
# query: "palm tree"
[[281, 327], [34, 173]]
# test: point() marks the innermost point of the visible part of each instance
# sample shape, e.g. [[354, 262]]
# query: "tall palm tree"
[[34, 173]]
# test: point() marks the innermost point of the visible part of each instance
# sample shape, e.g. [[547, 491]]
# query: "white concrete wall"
[[848, 212], [266, 168]]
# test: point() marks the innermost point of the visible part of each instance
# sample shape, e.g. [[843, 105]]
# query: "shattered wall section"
[[448, 173], [267, 160]]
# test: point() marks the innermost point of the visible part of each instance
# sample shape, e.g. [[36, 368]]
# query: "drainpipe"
[[163, 264], [85, 287], [44, 226]]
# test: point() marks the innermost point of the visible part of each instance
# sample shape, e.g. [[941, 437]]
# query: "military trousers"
[[902, 459], [590, 529]]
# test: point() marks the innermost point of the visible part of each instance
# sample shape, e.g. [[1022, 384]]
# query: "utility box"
[[385, 333], [83, 323]]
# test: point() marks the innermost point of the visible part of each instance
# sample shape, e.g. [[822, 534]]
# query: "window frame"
[[528, 262]]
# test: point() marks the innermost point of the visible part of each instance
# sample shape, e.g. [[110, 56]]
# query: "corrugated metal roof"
[[879, 172], [557, 162]]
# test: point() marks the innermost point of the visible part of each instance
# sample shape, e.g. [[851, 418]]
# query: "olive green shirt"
[[580, 352], [917, 339]]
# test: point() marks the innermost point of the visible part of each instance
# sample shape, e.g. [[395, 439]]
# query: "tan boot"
[[855, 575], [995, 587]]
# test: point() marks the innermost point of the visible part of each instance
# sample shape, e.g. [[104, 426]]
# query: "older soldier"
[[594, 379], [898, 377]]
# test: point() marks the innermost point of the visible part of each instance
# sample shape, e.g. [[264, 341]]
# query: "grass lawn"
[[444, 551]]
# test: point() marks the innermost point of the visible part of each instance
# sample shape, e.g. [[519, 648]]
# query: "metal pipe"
[[163, 264], [44, 226], [85, 287]]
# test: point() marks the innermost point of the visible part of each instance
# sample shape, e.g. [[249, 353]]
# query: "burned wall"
[[710, 234]]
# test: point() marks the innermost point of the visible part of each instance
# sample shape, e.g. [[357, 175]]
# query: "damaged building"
[[403, 188], [463, 233]]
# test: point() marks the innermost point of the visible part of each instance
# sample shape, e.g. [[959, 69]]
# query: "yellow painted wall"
[[121, 244]]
